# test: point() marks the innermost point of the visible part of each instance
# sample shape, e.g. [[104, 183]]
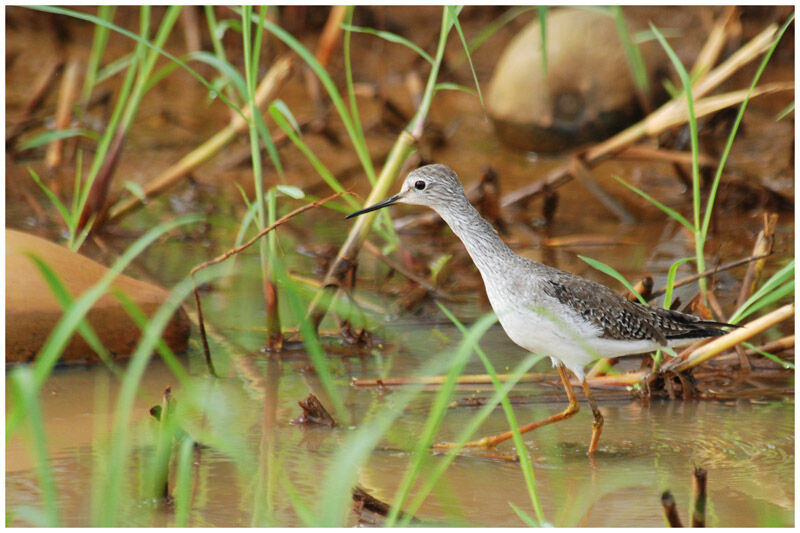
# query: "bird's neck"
[[481, 240]]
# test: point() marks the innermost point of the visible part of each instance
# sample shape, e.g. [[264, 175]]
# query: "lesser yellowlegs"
[[543, 309]]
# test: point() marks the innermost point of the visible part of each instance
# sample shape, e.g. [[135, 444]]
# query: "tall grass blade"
[[183, 483], [289, 127], [421, 454], [391, 37], [522, 450], [100, 22], [769, 287], [668, 210], [606, 269], [729, 144], [699, 237], [460, 32], [673, 271], [491, 28], [26, 394], [314, 347], [65, 300], [635, 60], [121, 426]]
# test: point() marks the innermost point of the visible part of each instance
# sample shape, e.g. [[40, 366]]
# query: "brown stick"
[[66, 97], [40, 89], [583, 174], [237, 250], [670, 510], [710, 272], [699, 497], [648, 153], [762, 248]]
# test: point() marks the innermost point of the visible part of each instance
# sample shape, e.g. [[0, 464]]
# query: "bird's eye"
[[420, 185]]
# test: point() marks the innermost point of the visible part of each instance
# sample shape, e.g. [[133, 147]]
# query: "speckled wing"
[[621, 319]]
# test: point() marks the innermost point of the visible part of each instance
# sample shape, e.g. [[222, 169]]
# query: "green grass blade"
[[784, 275], [732, 135], [183, 483], [699, 237], [491, 28], [543, 35], [460, 32], [351, 93], [448, 86], [635, 60], [121, 423], [773, 296], [784, 112], [113, 68], [606, 269], [390, 37], [771, 356], [223, 67], [49, 136], [421, 454], [522, 450], [312, 344], [333, 93], [99, 41], [98, 21], [341, 475], [65, 300], [673, 270], [529, 521], [27, 400], [286, 123], [62, 209], [668, 210]]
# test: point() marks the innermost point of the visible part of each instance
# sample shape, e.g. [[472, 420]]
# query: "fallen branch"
[[721, 344]]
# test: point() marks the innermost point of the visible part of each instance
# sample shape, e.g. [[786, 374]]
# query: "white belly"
[[561, 335]]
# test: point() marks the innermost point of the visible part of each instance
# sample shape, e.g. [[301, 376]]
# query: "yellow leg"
[[494, 440], [597, 421]]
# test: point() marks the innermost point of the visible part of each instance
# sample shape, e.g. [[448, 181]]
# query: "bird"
[[571, 319]]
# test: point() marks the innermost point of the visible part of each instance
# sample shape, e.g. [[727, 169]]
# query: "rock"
[[32, 311], [588, 93]]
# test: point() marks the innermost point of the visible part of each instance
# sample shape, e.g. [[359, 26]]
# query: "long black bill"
[[379, 205]]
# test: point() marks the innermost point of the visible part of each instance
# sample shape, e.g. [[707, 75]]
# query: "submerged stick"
[[670, 510], [698, 513], [235, 251]]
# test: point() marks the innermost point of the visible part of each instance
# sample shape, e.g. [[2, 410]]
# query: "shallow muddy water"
[[746, 447], [251, 443]]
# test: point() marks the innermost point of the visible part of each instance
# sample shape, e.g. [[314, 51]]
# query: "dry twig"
[[235, 251]]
